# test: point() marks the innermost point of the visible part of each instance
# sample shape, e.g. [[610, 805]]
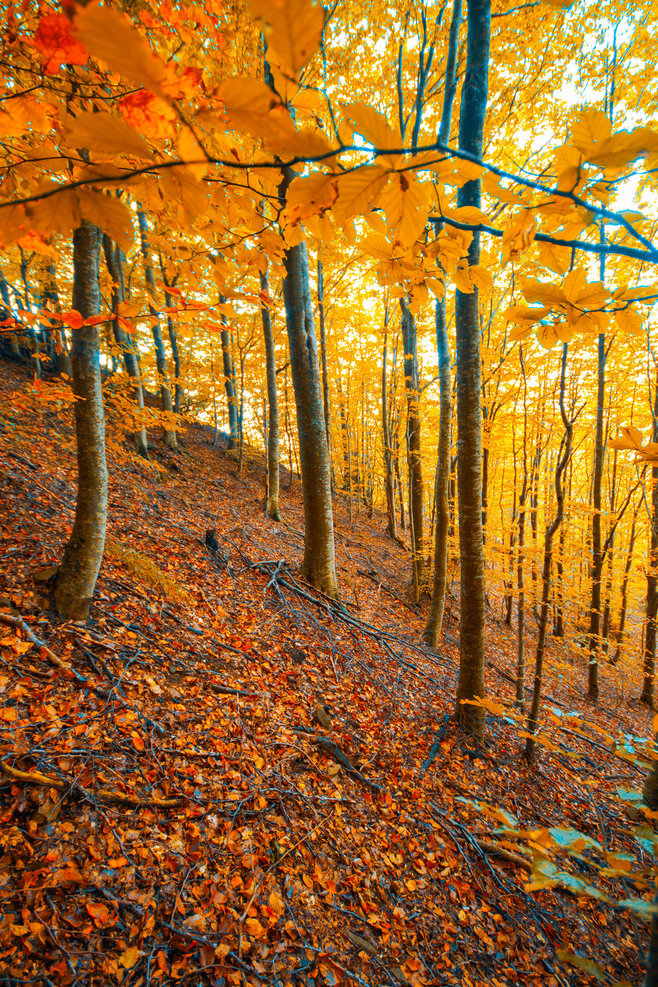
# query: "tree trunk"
[[563, 460], [651, 609], [435, 619], [170, 439], [623, 610], [389, 478], [323, 345], [229, 380], [469, 417], [114, 262], [318, 565], [416, 521], [597, 559], [83, 554], [272, 509]]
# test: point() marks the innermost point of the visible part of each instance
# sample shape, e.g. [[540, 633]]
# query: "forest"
[[328, 493]]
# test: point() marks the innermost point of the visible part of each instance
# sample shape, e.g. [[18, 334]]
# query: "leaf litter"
[[226, 778]]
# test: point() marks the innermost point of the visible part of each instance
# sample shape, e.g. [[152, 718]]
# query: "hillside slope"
[[223, 778]]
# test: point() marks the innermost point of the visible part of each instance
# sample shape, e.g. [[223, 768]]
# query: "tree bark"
[[469, 417], [272, 509], [170, 438], [416, 520], [597, 559], [83, 554], [563, 460], [319, 565], [651, 609], [389, 478], [114, 263], [435, 619]]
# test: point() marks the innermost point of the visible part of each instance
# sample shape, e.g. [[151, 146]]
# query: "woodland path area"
[[227, 779]]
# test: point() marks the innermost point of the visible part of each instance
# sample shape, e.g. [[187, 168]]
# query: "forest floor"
[[173, 811]]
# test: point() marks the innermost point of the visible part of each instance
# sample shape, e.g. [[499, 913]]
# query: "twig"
[[27, 632], [102, 795]]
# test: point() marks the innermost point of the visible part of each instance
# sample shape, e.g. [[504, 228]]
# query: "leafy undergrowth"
[[222, 779]]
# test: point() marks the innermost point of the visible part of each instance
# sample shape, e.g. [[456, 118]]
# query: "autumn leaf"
[[105, 135], [56, 44], [372, 125], [293, 31], [107, 34]]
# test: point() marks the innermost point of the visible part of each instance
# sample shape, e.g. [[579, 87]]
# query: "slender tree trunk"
[[435, 619], [173, 339], [319, 563], [389, 478], [416, 521], [114, 263], [651, 609], [272, 509], [170, 438], [229, 380], [563, 460], [597, 559], [623, 609], [83, 554], [469, 417]]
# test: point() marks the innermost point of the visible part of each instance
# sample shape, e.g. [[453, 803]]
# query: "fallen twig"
[[101, 795]]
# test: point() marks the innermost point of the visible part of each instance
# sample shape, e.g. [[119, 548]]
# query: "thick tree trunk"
[[469, 417], [323, 346], [272, 509], [83, 554], [416, 520], [319, 563], [114, 262], [170, 439], [435, 619]]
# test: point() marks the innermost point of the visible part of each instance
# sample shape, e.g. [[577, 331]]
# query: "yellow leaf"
[[129, 957], [294, 29], [247, 102], [59, 213], [109, 214], [372, 126], [190, 151], [521, 313], [591, 128], [358, 191], [629, 438], [629, 320], [109, 35], [298, 144], [309, 196], [104, 134], [407, 205]]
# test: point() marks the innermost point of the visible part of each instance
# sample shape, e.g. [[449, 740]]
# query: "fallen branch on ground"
[[102, 795]]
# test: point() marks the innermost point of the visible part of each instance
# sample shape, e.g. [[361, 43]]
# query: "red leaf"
[[56, 43]]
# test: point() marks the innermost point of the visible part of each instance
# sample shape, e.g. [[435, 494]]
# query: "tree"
[[83, 553], [469, 416]]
